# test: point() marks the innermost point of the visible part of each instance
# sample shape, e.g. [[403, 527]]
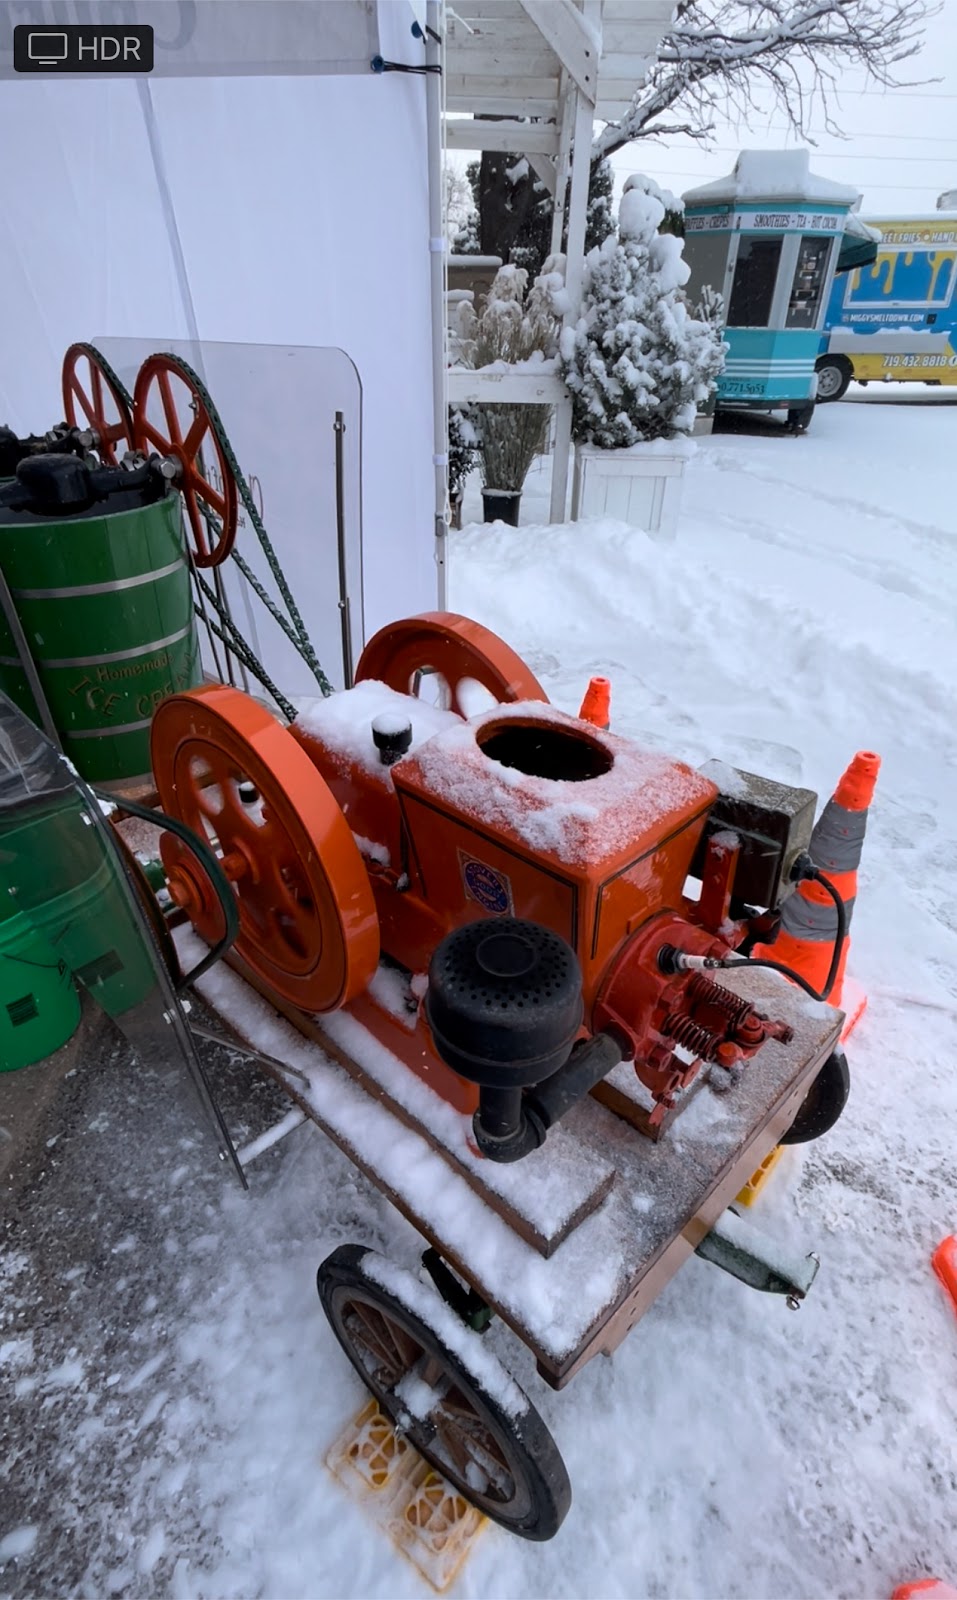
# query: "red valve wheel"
[[92, 400], [183, 442], [231, 772], [460, 652]]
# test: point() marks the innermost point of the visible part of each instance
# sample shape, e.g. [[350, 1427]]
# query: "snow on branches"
[[638, 363], [730, 52]]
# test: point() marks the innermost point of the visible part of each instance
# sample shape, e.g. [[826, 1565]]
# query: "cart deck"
[[584, 1296]]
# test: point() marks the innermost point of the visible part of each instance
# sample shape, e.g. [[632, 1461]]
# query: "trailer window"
[[755, 275], [707, 256], [808, 286]]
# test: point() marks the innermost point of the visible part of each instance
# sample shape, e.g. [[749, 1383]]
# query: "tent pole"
[[437, 261]]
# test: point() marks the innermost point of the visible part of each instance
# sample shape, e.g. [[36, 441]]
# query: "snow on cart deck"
[[665, 1197]]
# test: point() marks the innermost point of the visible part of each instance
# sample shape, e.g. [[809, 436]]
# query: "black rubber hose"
[[788, 972], [209, 861]]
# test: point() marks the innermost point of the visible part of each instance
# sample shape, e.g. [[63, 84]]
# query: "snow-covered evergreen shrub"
[[639, 363], [464, 444]]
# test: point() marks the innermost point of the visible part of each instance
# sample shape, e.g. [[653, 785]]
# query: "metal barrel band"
[[151, 647], [79, 591], [107, 732]]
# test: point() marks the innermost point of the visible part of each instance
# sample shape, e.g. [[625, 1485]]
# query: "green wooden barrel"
[[107, 609]]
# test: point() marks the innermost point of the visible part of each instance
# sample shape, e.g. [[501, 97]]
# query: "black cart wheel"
[[506, 1463], [834, 373], [823, 1103]]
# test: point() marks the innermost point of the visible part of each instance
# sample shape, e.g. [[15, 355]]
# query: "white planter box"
[[640, 485]]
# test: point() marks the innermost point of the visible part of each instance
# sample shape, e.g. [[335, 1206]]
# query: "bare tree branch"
[[727, 51]]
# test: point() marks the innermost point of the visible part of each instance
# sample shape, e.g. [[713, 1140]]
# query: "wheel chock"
[[759, 1178], [426, 1519], [751, 1256]]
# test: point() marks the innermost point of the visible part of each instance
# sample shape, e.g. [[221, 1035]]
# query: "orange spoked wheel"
[[473, 666], [91, 399], [230, 771], [171, 416]]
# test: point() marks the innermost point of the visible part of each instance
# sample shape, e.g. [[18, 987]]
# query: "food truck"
[[894, 319], [767, 239]]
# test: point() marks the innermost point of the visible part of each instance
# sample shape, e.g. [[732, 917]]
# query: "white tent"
[[262, 186]]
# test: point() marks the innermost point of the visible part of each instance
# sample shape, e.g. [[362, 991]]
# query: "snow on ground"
[[729, 1448]]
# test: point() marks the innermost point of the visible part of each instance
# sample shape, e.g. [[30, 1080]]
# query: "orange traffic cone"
[[927, 1588], [944, 1263], [596, 706], [809, 915]]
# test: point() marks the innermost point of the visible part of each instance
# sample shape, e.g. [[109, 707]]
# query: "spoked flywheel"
[[466, 658], [232, 773], [94, 398], [488, 1441], [172, 418]]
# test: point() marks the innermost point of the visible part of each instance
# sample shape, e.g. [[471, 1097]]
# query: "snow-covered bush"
[[521, 329], [464, 443], [639, 362]]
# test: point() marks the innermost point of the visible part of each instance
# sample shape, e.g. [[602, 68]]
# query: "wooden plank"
[[524, 138], [665, 1198], [562, 25], [504, 388], [506, 101], [485, 1178], [482, 59]]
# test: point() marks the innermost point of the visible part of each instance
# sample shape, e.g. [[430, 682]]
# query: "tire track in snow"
[[926, 533], [881, 573]]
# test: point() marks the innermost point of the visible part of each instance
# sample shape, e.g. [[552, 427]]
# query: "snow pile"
[[343, 723], [642, 796], [638, 363], [771, 175]]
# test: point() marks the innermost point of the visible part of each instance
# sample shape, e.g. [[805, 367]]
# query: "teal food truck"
[[768, 238]]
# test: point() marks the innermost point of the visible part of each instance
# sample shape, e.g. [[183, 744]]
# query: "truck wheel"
[[834, 373]]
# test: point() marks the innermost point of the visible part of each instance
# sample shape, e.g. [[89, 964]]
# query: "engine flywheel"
[[461, 653], [232, 772]]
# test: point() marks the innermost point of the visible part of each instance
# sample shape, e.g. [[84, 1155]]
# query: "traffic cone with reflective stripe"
[[596, 706], [809, 915]]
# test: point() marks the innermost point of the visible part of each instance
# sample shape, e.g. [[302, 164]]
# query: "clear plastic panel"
[[62, 866], [279, 406]]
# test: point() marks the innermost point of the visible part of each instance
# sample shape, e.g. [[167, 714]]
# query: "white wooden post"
[[582, 134]]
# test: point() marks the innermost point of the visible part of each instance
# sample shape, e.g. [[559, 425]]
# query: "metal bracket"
[[758, 1260], [467, 1304]]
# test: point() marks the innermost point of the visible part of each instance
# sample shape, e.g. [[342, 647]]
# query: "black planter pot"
[[501, 505]]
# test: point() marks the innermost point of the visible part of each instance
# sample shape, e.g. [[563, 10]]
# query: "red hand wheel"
[[164, 396], [92, 400], [462, 654]]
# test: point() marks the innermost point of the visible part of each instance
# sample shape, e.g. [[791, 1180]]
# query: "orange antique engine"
[[523, 873]]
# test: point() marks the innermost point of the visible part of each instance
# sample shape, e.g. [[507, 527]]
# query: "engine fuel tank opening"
[[545, 750]]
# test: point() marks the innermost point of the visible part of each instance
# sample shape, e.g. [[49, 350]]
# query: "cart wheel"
[[505, 1463], [823, 1103]]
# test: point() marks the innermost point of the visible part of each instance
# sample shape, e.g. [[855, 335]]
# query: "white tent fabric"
[[253, 209]]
